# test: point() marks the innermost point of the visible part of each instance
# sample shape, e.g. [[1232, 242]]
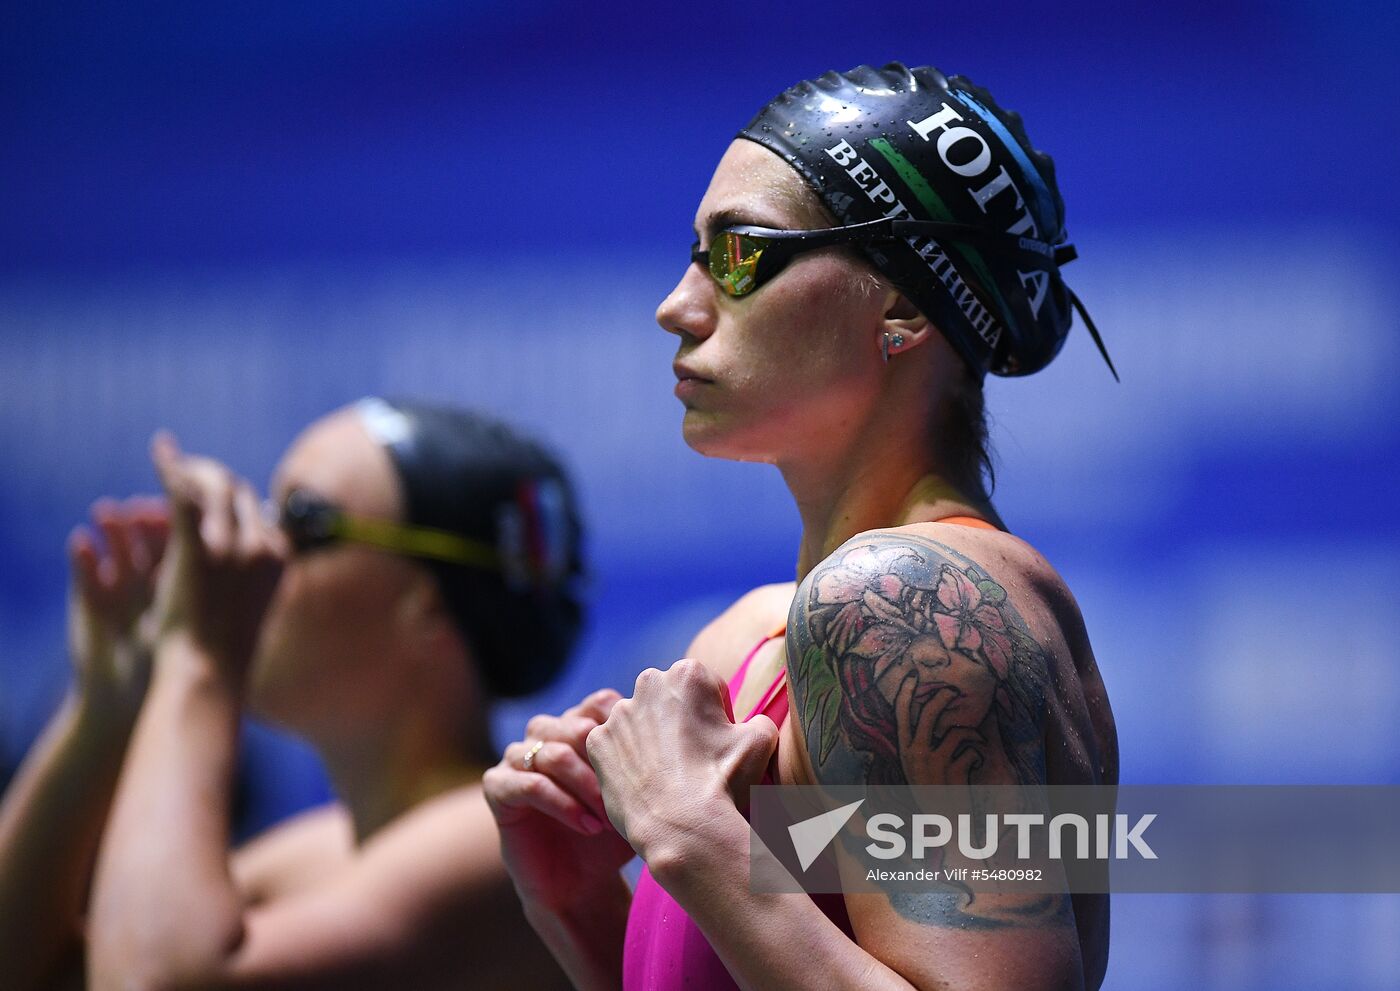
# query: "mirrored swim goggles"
[[742, 258]]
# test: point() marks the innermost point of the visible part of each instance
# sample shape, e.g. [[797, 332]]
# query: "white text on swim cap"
[[928, 250], [1035, 281]]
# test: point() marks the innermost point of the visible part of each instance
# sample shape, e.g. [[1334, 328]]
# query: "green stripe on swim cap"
[[938, 210], [932, 202]]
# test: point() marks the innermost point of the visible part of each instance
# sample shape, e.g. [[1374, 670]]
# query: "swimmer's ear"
[[423, 613], [906, 326]]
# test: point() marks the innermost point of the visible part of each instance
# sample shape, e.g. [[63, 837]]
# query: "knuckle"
[[581, 726], [599, 700], [604, 695], [689, 669], [537, 726]]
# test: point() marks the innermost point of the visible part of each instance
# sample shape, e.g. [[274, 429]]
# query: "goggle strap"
[[1041, 250], [418, 541], [893, 228]]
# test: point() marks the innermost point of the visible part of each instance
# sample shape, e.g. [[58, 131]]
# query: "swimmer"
[[870, 246], [424, 563]]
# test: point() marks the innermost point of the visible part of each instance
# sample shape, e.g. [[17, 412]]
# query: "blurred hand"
[[671, 758], [555, 837], [111, 587], [222, 563]]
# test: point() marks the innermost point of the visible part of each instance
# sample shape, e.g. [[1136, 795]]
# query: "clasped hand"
[[222, 563], [671, 760], [660, 766]]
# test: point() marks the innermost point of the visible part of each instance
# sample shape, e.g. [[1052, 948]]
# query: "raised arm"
[[164, 905], [54, 810], [419, 902]]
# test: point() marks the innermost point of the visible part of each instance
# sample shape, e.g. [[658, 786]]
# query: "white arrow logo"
[[811, 836]]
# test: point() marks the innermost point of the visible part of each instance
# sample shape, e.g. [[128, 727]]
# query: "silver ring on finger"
[[528, 764]]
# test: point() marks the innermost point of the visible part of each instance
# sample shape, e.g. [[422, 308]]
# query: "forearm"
[[767, 941], [587, 938], [164, 905], [50, 824]]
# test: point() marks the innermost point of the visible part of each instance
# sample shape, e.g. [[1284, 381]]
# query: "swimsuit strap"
[[737, 682], [967, 521], [774, 703], [775, 700]]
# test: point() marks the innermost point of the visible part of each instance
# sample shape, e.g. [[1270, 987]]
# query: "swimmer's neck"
[[885, 482], [405, 764]]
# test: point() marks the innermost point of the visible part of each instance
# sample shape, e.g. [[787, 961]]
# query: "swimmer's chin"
[[704, 433], [707, 434]]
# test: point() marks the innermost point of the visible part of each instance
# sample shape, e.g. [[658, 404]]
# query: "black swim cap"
[[913, 143], [470, 474]]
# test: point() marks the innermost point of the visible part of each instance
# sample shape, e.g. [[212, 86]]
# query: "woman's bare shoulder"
[[299, 851], [996, 551], [446, 842], [1021, 573], [727, 639], [408, 899]]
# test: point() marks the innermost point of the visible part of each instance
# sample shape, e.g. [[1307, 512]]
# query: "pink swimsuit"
[[665, 950]]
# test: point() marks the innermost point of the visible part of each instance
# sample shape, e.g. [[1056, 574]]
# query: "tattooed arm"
[[912, 664], [971, 710]]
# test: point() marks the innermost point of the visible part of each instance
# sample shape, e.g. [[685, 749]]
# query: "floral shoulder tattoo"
[[910, 666]]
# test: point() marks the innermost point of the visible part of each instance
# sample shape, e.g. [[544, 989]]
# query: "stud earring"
[[890, 343]]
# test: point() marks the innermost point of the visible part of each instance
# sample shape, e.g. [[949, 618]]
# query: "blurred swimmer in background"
[[424, 562]]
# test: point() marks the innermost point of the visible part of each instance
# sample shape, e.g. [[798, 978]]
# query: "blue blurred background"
[[231, 218]]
